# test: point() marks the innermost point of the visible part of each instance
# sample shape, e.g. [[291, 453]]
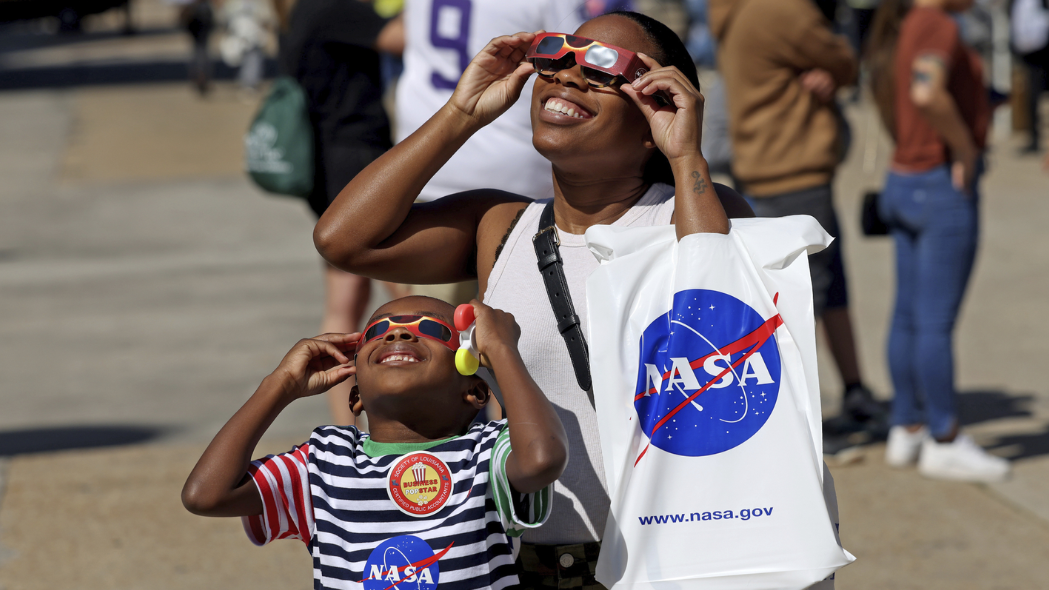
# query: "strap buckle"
[[553, 232]]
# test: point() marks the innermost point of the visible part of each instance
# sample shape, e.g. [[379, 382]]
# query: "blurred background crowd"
[[147, 282]]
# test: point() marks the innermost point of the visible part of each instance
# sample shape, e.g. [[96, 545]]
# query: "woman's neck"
[[582, 202]]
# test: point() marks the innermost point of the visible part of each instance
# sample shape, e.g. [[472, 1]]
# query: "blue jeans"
[[935, 230]]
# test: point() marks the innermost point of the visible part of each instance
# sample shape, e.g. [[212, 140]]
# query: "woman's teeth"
[[399, 357], [556, 105]]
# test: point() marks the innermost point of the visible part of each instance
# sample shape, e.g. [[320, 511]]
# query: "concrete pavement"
[[147, 287]]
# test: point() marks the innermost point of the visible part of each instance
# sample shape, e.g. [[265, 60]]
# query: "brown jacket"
[[783, 138]]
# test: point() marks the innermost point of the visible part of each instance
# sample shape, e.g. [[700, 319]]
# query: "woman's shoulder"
[[494, 228], [924, 24]]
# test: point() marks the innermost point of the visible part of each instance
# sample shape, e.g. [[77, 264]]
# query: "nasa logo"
[[419, 484], [708, 376], [407, 560]]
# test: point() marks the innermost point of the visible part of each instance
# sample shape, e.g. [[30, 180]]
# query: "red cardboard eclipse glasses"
[[601, 64], [420, 325]]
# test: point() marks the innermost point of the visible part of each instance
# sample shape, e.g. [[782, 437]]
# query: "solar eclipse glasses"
[[601, 64], [420, 325]]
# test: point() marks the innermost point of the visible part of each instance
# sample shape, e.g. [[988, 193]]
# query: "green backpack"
[[278, 148]]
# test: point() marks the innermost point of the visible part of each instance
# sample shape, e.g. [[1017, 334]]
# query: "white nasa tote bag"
[[704, 370]]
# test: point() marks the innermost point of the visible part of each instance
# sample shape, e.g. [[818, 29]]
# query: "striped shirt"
[[334, 494]]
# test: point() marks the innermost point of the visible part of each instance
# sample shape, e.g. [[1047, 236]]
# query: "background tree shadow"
[[102, 72], [63, 438], [974, 407], [977, 407]]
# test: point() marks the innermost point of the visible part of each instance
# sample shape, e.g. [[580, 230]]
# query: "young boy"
[[427, 497]]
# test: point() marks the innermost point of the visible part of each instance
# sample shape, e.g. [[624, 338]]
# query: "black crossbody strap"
[[546, 245]]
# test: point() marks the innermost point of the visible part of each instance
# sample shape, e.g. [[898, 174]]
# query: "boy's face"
[[401, 375]]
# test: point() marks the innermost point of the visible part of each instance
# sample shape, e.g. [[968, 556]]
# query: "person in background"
[[929, 90], [198, 18], [441, 38], [717, 145], [782, 67], [331, 48], [1030, 38], [860, 16], [247, 25], [700, 43]]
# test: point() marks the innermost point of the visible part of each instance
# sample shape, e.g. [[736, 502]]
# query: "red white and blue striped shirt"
[[331, 493]]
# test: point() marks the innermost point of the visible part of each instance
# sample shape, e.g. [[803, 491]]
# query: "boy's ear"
[[479, 394], [356, 405]]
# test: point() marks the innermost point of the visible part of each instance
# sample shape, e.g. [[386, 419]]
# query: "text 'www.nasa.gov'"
[[745, 514]]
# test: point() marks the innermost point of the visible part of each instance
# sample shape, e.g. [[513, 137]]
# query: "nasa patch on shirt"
[[419, 484], [405, 558]]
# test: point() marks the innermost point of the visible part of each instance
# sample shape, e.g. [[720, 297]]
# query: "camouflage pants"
[[556, 567]]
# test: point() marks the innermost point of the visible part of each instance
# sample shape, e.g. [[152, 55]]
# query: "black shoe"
[[858, 403]]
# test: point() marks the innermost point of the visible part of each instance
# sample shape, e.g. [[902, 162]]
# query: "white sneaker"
[[961, 460], [904, 445]]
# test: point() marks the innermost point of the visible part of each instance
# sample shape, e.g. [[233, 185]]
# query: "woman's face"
[[608, 135]]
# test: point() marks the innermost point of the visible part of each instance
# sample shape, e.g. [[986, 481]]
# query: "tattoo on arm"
[[700, 186], [928, 70]]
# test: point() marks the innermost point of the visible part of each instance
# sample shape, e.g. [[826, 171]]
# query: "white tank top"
[[580, 505]]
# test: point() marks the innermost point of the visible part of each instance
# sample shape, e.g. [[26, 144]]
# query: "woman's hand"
[[494, 79], [677, 126], [315, 365]]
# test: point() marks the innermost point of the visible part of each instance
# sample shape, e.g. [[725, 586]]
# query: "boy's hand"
[[315, 365], [495, 331]]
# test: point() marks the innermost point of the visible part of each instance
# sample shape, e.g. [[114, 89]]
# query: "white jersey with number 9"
[[442, 36]]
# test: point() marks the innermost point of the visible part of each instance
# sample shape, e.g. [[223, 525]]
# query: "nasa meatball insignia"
[[708, 376], [404, 559]]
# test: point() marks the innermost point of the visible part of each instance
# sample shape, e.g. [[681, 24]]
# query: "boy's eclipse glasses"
[[601, 64], [421, 325]]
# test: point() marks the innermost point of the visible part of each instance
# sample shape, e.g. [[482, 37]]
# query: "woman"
[[612, 148], [929, 89]]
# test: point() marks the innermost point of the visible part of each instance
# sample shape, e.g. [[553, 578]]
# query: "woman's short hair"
[[671, 51]]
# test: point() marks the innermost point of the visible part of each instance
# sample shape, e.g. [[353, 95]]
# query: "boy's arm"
[[539, 445], [219, 484]]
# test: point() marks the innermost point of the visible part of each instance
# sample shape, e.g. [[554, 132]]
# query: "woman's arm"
[[219, 484], [372, 227], [539, 445], [677, 132], [929, 93]]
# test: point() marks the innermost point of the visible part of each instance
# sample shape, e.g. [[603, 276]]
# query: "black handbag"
[[870, 220]]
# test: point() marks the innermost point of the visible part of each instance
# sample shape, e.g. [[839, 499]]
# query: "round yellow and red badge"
[[419, 484]]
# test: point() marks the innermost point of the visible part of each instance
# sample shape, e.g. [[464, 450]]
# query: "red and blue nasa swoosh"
[[708, 376], [405, 559]]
